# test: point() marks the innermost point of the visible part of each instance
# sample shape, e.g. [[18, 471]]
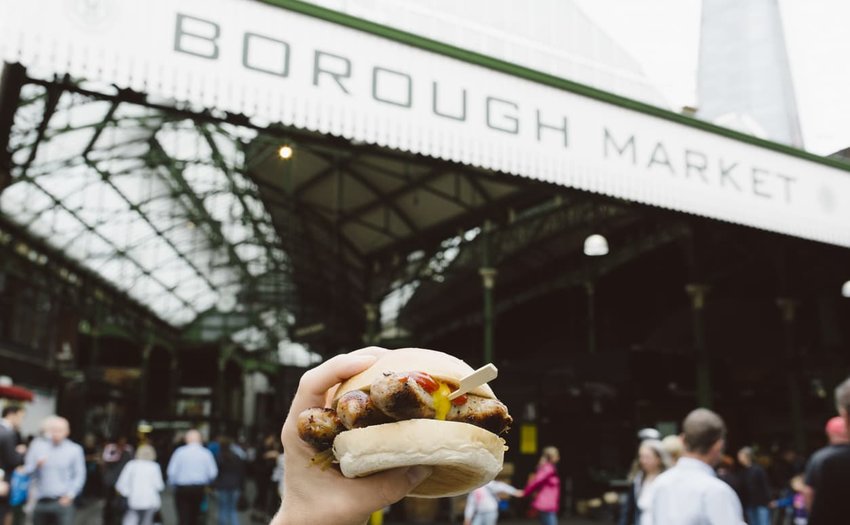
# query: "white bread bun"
[[464, 456], [439, 365]]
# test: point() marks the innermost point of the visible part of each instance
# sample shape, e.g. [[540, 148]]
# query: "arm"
[[501, 488], [469, 509], [31, 460], [173, 466], [8, 452], [212, 467], [313, 495], [122, 486], [543, 474], [78, 472]]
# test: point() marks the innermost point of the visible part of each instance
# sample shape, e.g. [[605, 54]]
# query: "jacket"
[[547, 484]]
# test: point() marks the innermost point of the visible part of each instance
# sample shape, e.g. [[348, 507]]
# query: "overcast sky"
[[663, 35]]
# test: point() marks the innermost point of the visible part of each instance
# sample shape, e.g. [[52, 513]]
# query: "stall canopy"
[[175, 112]]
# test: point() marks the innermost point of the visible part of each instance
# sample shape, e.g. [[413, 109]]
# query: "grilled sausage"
[[319, 427], [356, 410], [489, 414], [399, 396]]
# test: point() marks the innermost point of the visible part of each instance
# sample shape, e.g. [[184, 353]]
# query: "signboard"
[[528, 439], [274, 65]]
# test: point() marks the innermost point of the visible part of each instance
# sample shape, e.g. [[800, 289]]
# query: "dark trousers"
[[50, 512], [188, 499], [4, 508]]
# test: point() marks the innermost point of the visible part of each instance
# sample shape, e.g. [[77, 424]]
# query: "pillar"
[[590, 289], [488, 278], [144, 377], [12, 80], [788, 312], [372, 323], [173, 383], [697, 293]]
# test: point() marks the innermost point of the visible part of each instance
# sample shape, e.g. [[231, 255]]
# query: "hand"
[[467, 522], [40, 463], [4, 489], [312, 495], [21, 449], [66, 501]]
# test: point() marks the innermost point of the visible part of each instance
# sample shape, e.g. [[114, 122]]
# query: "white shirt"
[[644, 501], [691, 494], [484, 499], [192, 464], [141, 482]]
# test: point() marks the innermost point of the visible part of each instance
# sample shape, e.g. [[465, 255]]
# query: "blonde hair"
[[146, 452], [551, 454], [674, 446]]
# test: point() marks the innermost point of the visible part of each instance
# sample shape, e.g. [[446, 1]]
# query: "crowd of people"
[[47, 476], [706, 486], [681, 480]]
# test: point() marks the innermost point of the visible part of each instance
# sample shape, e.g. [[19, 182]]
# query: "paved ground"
[[90, 515]]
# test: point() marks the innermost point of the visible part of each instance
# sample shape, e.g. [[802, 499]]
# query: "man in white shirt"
[[191, 469], [690, 493]]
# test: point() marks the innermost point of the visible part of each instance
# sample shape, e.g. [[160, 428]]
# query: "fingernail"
[[418, 474]]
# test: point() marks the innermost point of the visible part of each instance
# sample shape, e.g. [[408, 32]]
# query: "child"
[[794, 503]]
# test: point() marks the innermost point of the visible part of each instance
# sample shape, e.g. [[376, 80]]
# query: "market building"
[[198, 203]]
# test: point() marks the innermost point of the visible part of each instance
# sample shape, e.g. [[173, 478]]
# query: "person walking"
[[837, 438], [116, 454], [482, 504], [690, 493], [547, 485], [756, 489], [830, 501], [228, 485], [11, 450], [58, 467], [140, 481], [652, 461], [190, 471]]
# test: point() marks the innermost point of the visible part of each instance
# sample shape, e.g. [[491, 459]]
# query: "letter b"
[[196, 36]]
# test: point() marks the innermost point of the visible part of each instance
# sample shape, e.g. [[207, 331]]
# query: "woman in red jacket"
[[547, 485]]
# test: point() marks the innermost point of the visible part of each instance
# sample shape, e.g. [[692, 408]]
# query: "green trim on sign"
[[539, 77]]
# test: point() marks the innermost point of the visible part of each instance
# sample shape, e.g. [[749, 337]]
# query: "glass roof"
[[158, 204]]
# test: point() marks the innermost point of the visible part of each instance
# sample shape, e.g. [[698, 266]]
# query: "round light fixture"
[[845, 289], [596, 245], [285, 152]]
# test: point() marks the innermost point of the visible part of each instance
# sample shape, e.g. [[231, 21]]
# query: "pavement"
[[90, 514]]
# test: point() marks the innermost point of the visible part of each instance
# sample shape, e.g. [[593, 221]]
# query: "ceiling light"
[[285, 152], [596, 245]]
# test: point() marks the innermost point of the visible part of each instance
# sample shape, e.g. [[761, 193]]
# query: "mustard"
[[441, 401]]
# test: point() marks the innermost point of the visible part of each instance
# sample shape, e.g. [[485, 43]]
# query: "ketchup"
[[430, 385]]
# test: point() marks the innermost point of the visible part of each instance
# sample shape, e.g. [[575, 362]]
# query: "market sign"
[[280, 66]]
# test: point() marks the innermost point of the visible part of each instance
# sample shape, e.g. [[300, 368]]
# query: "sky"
[[663, 36]]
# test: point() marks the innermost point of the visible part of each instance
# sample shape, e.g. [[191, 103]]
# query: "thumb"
[[392, 485]]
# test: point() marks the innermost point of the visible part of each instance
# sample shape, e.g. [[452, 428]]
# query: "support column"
[[590, 288], [144, 377], [220, 394], [788, 312], [488, 278], [173, 383], [697, 293], [373, 323], [11, 81]]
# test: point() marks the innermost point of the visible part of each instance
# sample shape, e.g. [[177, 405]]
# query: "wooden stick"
[[483, 375]]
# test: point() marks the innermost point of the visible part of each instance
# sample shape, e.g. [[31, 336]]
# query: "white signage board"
[[247, 57]]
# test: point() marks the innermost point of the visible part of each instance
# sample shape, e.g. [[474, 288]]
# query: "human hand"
[[21, 449], [4, 489], [312, 495], [66, 501]]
